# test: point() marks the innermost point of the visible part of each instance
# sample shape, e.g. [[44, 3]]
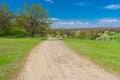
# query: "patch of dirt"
[[52, 60]]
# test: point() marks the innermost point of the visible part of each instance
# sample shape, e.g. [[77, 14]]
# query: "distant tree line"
[[32, 20], [85, 33]]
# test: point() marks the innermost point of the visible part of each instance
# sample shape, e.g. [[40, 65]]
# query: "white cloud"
[[54, 19], [70, 24], [50, 1], [105, 22], [81, 4], [108, 20], [113, 6]]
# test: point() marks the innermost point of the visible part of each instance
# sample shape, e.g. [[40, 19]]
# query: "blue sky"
[[77, 13]]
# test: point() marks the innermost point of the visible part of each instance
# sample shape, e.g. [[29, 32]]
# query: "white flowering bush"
[[104, 36], [77, 34]]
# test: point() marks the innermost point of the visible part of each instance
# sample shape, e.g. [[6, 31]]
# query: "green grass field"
[[12, 51], [105, 54]]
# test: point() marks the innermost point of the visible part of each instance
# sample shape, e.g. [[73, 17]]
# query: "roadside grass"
[[105, 54], [12, 51]]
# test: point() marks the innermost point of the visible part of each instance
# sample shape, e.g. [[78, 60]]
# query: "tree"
[[6, 17], [34, 19]]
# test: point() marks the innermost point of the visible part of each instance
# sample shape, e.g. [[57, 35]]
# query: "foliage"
[[65, 36], [59, 37], [30, 21], [104, 36], [77, 34], [18, 33], [34, 19], [107, 36], [6, 19], [91, 34]]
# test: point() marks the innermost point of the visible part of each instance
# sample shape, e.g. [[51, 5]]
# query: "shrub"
[[103, 36], [65, 36], [18, 33], [59, 36], [77, 34]]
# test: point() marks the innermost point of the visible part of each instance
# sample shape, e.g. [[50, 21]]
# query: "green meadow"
[[103, 53], [12, 52]]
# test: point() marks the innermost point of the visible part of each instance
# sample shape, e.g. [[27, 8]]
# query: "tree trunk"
[[32, 34]]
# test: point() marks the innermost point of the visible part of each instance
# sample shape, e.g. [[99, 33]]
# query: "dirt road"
[[52, 60]]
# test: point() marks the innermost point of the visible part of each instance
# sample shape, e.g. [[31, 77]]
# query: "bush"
[[77, 34], [65, 36], [2, 32], [104, 36], [92, 34], [59, 36], [13, 33], [18, 33]]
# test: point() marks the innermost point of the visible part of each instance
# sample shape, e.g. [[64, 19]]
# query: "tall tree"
[[6, 17], [34, 19]]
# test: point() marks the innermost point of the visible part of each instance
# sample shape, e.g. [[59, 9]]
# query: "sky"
[[76, 13]]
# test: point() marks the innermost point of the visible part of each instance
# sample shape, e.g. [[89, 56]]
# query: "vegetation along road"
[[12, 53], [52, 60]]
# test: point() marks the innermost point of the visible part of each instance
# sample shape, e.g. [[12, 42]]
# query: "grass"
[[12, 51], [105, 54]]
